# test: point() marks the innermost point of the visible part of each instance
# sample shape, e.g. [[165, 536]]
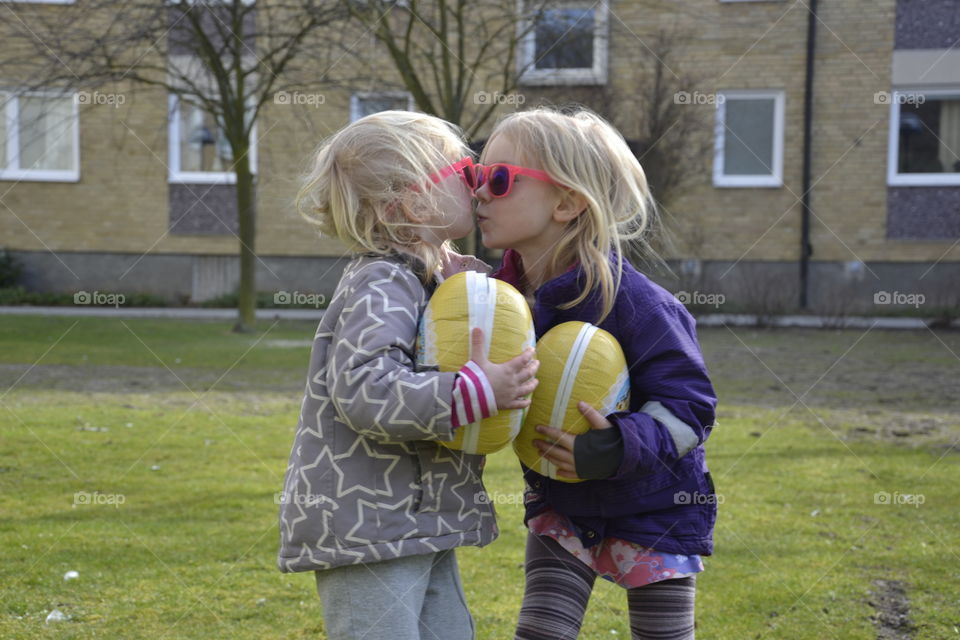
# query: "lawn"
[[146, 456]]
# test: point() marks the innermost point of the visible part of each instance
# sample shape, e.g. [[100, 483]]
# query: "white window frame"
[[175, 175], [894, 177], [596, 75], [355, 99], [12, 115], [775, 178]]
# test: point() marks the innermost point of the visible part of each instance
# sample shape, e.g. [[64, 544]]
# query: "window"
[[39, 137], [924, 143], [363, 104], [567, 45], [749, 139], [199, 149]]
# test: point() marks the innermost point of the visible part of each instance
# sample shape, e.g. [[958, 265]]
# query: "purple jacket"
[[662, 496]]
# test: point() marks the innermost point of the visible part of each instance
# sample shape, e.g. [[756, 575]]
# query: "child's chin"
[[488, 242]]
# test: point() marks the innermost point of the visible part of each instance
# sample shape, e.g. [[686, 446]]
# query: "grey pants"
[[412, 598]]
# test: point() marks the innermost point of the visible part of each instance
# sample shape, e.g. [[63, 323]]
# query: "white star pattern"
[[366, 480]]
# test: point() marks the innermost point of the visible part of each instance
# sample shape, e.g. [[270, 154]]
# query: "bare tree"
[[456, 58], [462, 60], [670, 133], [226, 57]]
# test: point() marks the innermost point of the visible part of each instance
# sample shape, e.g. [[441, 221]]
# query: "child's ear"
[[401, 211], [571, 205]]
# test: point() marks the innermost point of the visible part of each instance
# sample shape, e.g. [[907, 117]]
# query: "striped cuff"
[[473, 398]]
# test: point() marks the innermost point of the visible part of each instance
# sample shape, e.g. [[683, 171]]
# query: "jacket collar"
[[511, 270]]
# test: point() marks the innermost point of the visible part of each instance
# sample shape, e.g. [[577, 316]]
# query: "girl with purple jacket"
[[563, 194]]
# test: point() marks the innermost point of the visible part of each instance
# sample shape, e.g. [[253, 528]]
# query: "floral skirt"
[[625, 563]]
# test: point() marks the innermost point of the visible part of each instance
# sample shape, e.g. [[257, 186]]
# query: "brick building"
[[125, 190]]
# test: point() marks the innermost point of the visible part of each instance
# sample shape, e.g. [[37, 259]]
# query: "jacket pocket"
[[417, 481]]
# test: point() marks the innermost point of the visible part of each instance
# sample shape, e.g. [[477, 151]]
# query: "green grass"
[[190, 551], [148, 342]]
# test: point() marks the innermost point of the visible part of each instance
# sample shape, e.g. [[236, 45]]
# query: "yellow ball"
[[578, 362], [461, 303]]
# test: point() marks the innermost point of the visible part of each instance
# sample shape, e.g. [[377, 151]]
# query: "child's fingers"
[[556, 455], [524, 365], [528, 387], [556, 435], [594, 417], [518, 363], [531, 369], [518, 403], [555, 452]]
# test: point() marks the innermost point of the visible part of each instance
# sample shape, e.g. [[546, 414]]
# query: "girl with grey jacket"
[[371, 502]]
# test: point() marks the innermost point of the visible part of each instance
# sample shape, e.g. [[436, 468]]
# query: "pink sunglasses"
[[498, 177]]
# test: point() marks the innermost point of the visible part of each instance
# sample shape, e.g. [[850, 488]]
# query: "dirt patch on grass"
[[941, 430], [885, 370], [892, 617]]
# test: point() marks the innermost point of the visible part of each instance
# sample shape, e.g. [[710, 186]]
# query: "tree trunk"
[[246, 213]]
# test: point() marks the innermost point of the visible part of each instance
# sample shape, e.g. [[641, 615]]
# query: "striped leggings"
[[558, 588]]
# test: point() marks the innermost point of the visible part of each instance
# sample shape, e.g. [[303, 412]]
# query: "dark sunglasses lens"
[[479, 178], [468, 177], [499, 181]]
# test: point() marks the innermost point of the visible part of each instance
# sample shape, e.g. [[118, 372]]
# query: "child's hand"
[[511, 380], [592, 455], [454, 263]]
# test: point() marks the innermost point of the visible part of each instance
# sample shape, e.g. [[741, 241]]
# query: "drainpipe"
[[806, 249]]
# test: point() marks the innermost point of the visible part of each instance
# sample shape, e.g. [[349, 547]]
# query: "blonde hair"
[[583, 152], [367, 184]]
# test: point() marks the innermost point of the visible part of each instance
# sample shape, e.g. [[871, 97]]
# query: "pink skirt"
[[625, 563]]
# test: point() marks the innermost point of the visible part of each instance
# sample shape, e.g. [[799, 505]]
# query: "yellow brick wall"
[[763, 45], [120, 203]]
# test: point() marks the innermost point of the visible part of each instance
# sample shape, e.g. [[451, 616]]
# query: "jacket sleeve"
[[371, 372], [670, 387]]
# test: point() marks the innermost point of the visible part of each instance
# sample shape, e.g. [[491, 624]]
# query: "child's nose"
[[482, 193]]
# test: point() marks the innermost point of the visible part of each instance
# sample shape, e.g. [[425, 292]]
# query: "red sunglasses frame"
[[457, 167], [475, 174], [481, 173]]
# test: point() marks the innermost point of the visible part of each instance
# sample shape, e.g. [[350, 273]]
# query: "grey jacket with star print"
[[366, 480]]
